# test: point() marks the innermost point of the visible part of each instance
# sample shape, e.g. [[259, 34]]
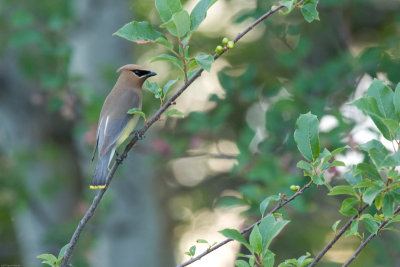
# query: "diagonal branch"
[[141, 132], [248, 229], [363, 244], [336, 237]]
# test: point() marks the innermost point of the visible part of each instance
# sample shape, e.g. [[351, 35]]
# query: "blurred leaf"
[[202, 241], [255, 240], [204, 61], [164, 41], [384, 98], [165, 57], [62, 251], [370, 194], [192, 250], [388, 205], [396, 100], [199, 13], [335, 225], [235, 235], [347, 208], [318, 179], [353, 178], [288, 4], [306, 136], [48, 259], [21, 19], [241, 263], [174, 112], [309, 10], [265, 203], [304, 166], [137, 111], [179, 24], [152, 87], [167, 8], [268, 258], [370, 225], [270, 228], [368, 170], [168, 85], [139, 32], [343, 190], [353, 229]]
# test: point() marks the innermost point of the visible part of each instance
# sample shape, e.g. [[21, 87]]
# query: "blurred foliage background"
[[194, 176]]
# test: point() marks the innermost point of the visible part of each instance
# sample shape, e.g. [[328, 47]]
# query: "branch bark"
[[363, 244], [248, 229], [141, 132], [336, 237]]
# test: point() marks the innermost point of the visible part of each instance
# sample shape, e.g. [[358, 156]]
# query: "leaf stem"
[[183, 58]]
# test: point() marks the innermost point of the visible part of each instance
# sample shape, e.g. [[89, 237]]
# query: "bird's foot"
[[137, 134]]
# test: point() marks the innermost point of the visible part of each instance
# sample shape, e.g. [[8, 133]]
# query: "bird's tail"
[[100, 173]]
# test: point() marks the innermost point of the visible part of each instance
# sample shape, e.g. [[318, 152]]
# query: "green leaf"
[[199, 13], [152, 87], [370, 194], [204, 61], [388, 205], [165, 57], [369, 106], [268, 259], [396, 100], [335, 225], [202, 241], [137, 111], [48, 259], [241, 263], [164, 42], [306, 136], [352, 177], [343, 190], [370, 225], [289, 4], [265, 203], [391, 160], [339, 150], [353, 229], [318, 179], [168, 85], [62, 251], [172, 112], [347, 208], [166, 8], [255, 239], [235, 235], [369, 171], [139, 32], [270, 228], [304, 166], [309, 11], [384, 98], [179, 24], [192, 250]]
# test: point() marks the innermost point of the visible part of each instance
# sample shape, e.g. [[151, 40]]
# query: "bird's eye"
[[140, 73]]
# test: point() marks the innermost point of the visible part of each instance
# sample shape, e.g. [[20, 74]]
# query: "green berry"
[[293, 188], [231, 44], [219, 49], [225, 40], [297, 187]]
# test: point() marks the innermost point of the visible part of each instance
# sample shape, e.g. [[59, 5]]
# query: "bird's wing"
[[114, 122]]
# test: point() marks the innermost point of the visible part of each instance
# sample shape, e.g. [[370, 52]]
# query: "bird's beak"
[[151, 74]]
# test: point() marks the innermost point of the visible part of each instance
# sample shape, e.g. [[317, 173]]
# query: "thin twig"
[[141, 132], [336, 237], [363, 244], [247, 229]]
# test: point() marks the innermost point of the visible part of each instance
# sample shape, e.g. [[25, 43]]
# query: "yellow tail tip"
[[97, 186]]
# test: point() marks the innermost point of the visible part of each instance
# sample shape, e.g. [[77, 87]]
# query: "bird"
[[115, 124]]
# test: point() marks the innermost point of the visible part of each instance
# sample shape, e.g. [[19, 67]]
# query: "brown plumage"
[[115, 125]]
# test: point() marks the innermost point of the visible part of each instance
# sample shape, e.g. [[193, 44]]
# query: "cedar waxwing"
[[115, 125]]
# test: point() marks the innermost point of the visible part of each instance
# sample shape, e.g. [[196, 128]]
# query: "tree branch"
[[363, 244], [248, 229], [336, 237], [141, 132]]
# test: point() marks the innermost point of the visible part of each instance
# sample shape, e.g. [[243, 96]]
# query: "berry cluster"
[[227, 45]]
